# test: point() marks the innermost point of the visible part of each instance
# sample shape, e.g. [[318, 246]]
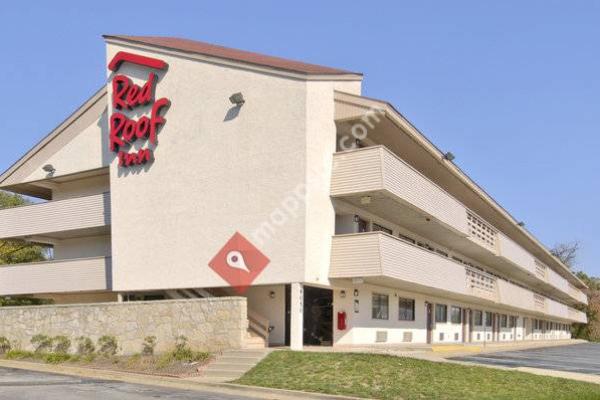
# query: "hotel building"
[[199, 170]]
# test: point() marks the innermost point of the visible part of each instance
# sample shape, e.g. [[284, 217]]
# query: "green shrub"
[[56, 358], [149, 345], [182, 353], [108, 346], [5, 345], [62, 344], [18, 354], [85, 346], [42, 343]]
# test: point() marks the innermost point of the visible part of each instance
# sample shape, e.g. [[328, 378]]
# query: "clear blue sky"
[[512, 88]]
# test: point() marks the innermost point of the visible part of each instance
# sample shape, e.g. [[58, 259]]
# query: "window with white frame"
[[406, 309], [441, 313], [381, 308]]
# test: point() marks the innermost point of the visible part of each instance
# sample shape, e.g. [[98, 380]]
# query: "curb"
[[175, 383]]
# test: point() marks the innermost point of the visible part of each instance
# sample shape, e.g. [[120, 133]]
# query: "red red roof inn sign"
[[127, 96]]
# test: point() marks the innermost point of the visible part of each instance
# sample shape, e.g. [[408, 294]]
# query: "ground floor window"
[[381, 307], [455, 315], [441, 313], [512, 322], [406, 309], [503, 321], [477, 318], [488, 318]]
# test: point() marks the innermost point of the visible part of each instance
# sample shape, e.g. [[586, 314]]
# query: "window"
[[477, 318], [488, 318], [503, 321], [379, 228], [512, 322], [455, 315], [406, 309], [380, 306], [441, 313]]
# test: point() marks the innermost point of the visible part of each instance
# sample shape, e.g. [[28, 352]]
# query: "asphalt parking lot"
[[581, 358], [25, 385]]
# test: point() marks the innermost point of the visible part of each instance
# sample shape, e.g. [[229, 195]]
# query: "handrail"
[[259, 325]]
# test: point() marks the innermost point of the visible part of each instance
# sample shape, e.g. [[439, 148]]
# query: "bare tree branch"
[[566, 252]]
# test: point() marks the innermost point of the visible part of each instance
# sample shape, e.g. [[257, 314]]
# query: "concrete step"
[[217, 373], [231, 366], [256, 353]]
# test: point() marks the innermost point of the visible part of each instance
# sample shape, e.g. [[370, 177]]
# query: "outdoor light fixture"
[[343, 294], [356, 218], [272, 294], [237, 99], [521, 224], [49, 168], [365, 200], [355, 292], [449, 156]]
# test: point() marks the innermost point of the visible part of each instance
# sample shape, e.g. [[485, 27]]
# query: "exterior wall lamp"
[[343, 294], [449, 156], [237, 99], [49, 168], [272, 294]]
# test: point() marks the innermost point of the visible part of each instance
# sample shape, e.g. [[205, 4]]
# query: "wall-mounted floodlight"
[[237, 99], [449, 156], [521, 224], [49, 168]]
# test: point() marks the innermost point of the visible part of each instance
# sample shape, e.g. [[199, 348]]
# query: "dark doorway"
[[288, 313], [318, 316]]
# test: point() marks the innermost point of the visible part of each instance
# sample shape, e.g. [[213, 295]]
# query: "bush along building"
[[203, 172]]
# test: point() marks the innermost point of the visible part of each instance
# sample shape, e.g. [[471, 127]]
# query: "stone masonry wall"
[[209, 324]]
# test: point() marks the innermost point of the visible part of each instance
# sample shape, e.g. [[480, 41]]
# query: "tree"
[[566, 252], [16, 251]]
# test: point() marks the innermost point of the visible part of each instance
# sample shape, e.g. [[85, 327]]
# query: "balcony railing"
[[59, 276], [56, 216], [380, 255], [377, 169]]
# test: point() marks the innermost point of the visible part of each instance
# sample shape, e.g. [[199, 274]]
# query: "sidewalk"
[[175, 383]]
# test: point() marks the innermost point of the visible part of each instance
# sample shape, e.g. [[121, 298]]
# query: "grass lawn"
[[388, 377]]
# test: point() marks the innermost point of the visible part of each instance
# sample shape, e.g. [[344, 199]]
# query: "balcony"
[[60, 219], [376, 180], [60, 276], [382, 259]]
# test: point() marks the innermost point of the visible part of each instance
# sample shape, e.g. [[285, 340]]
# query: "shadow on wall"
[[232, 113]]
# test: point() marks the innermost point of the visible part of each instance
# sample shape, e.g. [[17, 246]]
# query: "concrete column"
[[297, 316], [119, 297]]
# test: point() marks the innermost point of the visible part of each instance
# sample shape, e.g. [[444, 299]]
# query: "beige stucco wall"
[[209, 324], [81, 150], [219, 170]]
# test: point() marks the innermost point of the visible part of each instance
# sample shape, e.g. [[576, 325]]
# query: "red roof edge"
[[197, 47]]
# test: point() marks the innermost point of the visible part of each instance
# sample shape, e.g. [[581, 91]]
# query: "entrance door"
[[429, 312], [318, 316]]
